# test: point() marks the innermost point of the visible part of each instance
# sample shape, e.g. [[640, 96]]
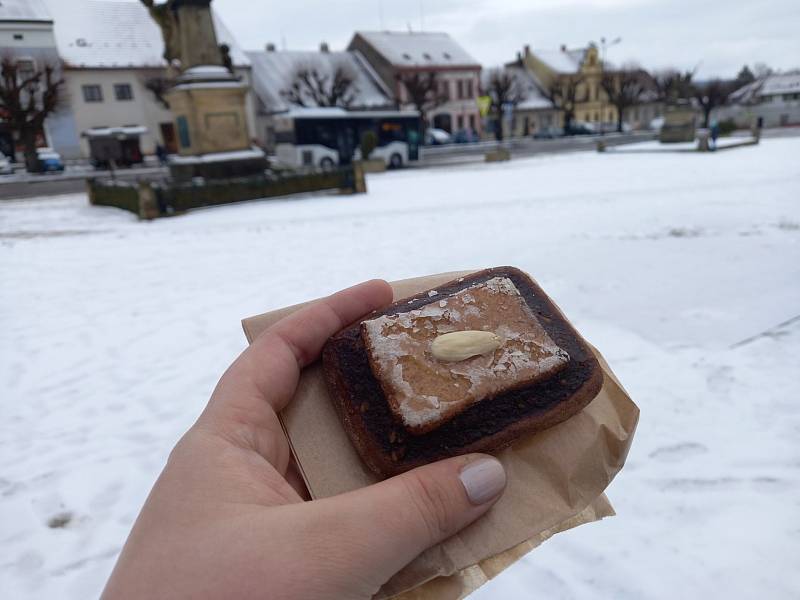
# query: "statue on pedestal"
[[166, 17], [208, 102]]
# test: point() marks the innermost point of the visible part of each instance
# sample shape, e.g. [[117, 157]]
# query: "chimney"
[[519, 56], [527, 50], [270, 47], [323, 47], [563, 47]]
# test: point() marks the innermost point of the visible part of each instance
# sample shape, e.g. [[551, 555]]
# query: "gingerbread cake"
[[467, 367]]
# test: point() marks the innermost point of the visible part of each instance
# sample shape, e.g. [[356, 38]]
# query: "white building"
[[26, 36], [395, 55], [110, 51], [275, 71], [772, 101]]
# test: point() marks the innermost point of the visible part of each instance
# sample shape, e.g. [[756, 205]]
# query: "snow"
[[419, 48], [657, 146], [561, 61], [117, 34], [115, 332], [274, 72], [24, 10], [251, 154]]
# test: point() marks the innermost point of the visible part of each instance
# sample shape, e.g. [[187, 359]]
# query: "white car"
[[5, 166], [437, 137]]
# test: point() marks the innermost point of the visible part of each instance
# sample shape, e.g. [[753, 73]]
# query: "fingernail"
[[483, 479]]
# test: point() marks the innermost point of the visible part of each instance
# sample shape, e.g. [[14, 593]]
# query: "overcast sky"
[[718, 35]]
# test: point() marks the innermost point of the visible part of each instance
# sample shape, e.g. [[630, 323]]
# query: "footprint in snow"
[[678, 452]]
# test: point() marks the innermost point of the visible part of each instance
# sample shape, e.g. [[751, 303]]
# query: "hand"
[[227, 517]]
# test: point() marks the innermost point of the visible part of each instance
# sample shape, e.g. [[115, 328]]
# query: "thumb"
[[390, 523]]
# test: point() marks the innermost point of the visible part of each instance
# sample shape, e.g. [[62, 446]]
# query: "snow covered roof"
[[788, 83], [562, 61], [771, 85], [419, 48], [24, 10], [274, 71], [116, 34], [531, 89]]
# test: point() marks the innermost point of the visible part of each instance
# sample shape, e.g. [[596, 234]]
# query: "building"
[[111, 53], [395, 55], [26, 35], [771, 101], [587, 67], [533, 112], [275, 72], [550, 66]]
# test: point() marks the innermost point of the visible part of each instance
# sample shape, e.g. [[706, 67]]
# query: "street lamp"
[[604, 45]]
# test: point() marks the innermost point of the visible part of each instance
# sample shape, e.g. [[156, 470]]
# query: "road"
[[23, 185]]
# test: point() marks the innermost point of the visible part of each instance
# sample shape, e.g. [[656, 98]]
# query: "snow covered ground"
[[679, 267]]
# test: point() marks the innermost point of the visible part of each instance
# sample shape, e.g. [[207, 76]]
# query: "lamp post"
[[604, 44]]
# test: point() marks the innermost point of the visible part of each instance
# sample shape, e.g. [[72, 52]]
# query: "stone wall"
[[153, 199]]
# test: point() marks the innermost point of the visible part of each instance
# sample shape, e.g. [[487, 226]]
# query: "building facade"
[[27, 37], [772, 101], [394, 55], [550, 67], [111, 53]]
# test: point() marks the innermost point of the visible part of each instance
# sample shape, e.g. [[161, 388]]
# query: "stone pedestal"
[[208, 104]]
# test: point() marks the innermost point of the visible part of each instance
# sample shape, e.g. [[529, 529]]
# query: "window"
[[183, 131], [92, 93], [123, 91], [459, 89], [444, 89], [19, 36], [472, 122], [426, 56], [26, 69], [470, 90], [460, 122]]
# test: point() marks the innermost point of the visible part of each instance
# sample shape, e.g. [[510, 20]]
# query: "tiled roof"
[[419, 49], [116, 34], [274, 72]]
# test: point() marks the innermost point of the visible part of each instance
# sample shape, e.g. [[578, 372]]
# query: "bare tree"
[[503, 90], [625, 88], [314, 85], [26, 99], [159, 86], [423, 92], [672, 85], [564, 93], [711, 94]]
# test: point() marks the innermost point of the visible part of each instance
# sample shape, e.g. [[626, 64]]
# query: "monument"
[[207, 101]]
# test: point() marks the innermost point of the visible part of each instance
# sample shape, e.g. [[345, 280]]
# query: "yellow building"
[[583, 65]]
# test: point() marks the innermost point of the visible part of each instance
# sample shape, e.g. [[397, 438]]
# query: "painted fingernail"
[[483, 479]]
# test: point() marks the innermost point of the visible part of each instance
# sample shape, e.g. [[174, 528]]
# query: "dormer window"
[[447, 55], [407, 56], [426, 56]]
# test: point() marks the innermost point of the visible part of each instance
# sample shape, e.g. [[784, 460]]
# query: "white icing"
[[390, 341]]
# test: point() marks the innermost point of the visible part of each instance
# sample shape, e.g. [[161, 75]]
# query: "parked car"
[[579, 128], [437, 137], [465, 136], [5, 166], [49, 160], [548, 133]]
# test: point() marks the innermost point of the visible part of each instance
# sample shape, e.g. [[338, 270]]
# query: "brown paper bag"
[[556, 478]]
